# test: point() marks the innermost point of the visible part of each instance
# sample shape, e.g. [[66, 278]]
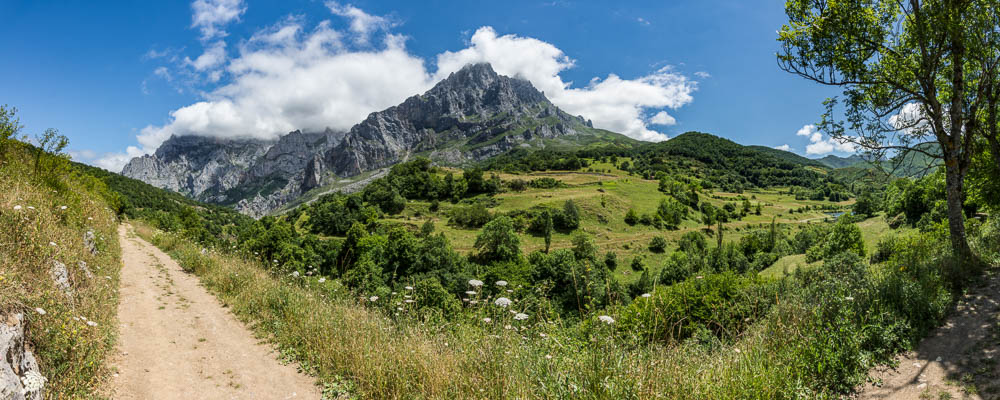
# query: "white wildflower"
[[470, 293], [31, 207], [502, 302], [52, 243], [647, 295], [473, 301], [737, 350], [520, 316], [475, 283], [295, 274], [510, 291], [321, 280], [501, 283], [399, 308], [487, 320], [409, 288], [699, 277], [32, 381], [62, 207], [373, 299], [606, 319], [548, 356], [39, 311], [508, 327], [409, 301], [849, 298], [17, 208], [91, 323]]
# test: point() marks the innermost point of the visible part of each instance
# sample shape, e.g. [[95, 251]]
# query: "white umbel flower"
[[17, 208], [646, 295], [606, 319], [501, 283], [520, 316], [475, 283], [32, 381], [40, 311], [373, 299], [502, 302]]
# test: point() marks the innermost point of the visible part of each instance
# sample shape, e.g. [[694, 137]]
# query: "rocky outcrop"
[[60, 276], [475, 108], [90, 242], [255, 176], [20, 378]]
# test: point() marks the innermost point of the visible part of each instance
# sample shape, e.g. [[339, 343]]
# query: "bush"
[[498, 241], [631, 217], [473, 216], [658, 244]]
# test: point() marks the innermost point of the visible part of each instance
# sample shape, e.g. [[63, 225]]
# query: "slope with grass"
[[59, 268]]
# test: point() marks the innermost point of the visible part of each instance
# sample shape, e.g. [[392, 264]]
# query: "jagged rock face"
[[255, 176], [197, 167], [20, 377], [471, 108]]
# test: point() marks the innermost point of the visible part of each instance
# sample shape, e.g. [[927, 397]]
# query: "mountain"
[[252, 175], [471, 115], [788, 156], [833, 161]]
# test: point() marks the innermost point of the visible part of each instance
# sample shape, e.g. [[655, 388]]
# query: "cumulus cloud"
[[362, 23], [612, 103], [210, 16], [662, 118], [703, 74], [291, 76], [784, 147], [820, 145]]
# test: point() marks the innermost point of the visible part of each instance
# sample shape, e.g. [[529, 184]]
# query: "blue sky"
[[118, 78]]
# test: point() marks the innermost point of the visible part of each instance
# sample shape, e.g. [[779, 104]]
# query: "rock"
[[90, 241], [20, 377], [86, 270], [60, 275]]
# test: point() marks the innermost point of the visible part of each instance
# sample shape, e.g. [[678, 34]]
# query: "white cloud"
[[662, 118], [819, 145], [213, 57], [784, 147], [362, 23], [613, 103], [642, 21], [703, 74], [289, 76], [210, 16]]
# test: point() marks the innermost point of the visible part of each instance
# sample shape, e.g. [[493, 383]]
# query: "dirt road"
[[960, 360], [178, 342]]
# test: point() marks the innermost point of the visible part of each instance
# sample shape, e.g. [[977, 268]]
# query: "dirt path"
[[178, 342], [960, 360]]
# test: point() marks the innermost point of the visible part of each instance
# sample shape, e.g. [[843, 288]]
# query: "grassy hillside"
[[789, 156], [45, 216]]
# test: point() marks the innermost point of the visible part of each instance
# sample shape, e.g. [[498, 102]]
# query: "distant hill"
[[833, 161], [789, 156]]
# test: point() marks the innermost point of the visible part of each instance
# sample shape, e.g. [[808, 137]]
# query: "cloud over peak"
[[292, 76], [820, 145]]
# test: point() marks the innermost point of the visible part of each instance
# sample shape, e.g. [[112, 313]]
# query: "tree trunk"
[[956, 217]]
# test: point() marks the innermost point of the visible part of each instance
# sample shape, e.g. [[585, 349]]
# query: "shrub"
[[631, 217], [658, 244], [498, 241]]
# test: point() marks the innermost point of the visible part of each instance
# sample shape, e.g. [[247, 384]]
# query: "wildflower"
[[736, 350], [473, 301], [606, 319], [91, 323], [502, 302], [321, 280], [17, 208], [92, 218], [548, 356], [510, 291], [52, 243], [501, 283], [699, 277], [646, 295], [31, 208], [409, 301], [40, 311], [62, 208], [373, 299], [849, 298], [507, 327], [399, 308], [469, 292], [295, 274], [487, 320], [409, 288], [542, 334], [520, 316], [32, 381], [475, 283]]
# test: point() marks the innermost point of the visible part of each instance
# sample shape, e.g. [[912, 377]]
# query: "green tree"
[[498, 241], [546, 223], [915, 76], [631, 217], [48, 153], [10, 126]]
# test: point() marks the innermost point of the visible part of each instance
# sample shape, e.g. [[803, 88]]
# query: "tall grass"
[[43, 218], [817, 341]]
